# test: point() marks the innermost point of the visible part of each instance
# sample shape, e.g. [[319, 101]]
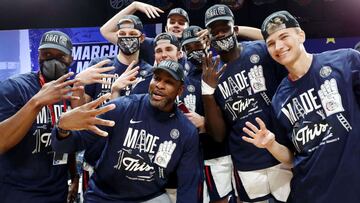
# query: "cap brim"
[[228, 18], [187, 41], [168, 71], [55, 46], [171, 14]]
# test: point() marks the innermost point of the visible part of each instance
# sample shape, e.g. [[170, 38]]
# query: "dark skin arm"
[[16, 127], [214, 120]]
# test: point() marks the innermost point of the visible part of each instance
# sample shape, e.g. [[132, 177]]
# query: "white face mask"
[[195, 56]]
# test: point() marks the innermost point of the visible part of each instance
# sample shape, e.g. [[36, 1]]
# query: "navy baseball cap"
[[179, 11], [166, 38], [56, 40], [175, 69], [278, 21], [189, 35], [136, 22], [218, 12]]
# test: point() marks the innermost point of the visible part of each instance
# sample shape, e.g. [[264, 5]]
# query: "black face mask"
[[53, 69], [195, 57], [128, 45], [225, 44]]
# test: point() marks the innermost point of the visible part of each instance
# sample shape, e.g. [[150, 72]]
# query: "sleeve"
[[11, 99], [355, 73], [81, 140], [77, 141], [188, 171]]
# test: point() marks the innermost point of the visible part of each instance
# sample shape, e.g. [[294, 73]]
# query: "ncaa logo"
[[325, 71], [254, 58], [174, 134], [191, 88]]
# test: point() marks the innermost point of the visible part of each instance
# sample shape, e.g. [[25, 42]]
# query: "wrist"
[[206, 89], [61, 131]]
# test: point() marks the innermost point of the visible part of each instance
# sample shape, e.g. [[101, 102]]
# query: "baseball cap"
[[56, 40], [357, 46], [179, 11], [175, 69], [166, 38], [218, 12], [278, 21], [136, 22], [189, 35]]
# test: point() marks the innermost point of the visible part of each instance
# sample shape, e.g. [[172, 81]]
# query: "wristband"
[[206, 89]]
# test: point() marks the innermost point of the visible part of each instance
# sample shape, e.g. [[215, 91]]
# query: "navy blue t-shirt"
[[29, 171], [142, 149], [244, 92], [321, 117]]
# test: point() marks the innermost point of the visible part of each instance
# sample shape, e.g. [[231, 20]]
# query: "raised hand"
[[203, 37], [57, 90], [257, 79], [261, 138], [149, 10], [126, 78], [330, 97], [164, 153], [95, 74], [85, 117], [210, 75], [196, 119]]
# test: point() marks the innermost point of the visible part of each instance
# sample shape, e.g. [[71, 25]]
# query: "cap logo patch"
[[218, 11]]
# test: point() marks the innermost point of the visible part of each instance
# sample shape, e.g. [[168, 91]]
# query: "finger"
[[261, 124], [105, 69], [222, 70], [248, 139], [147, 13], [151, 12], [100, 76], [64, 77], [249, 132], [130, 67], [209, 59], [155, 12], [158, 9], [252, 127], [102, 63], [98, 101], [103, 122], [103, 110], [97, 131], [68, 83], [70, 97], [133, 81]]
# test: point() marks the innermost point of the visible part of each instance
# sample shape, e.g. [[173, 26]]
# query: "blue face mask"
[[53, 69], [128, 45]]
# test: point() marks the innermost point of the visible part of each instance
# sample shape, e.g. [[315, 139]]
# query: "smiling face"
[[176, 24], [285, 45], [166, 51], [163, 90]]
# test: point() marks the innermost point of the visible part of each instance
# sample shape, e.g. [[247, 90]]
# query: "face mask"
[[225, 44], [195, 57], [53, 69], [128, 45]]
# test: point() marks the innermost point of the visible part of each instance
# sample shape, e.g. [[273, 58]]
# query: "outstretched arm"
[[264, 138], [250, 33], [14, 128], [108, 30]]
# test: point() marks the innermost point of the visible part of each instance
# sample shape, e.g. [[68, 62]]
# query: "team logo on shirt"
[[174, 134], [191, 88], [257, 79], [190, 102], [330, 97], [143, 73], [254, 58], [163, 155], [325, 71]]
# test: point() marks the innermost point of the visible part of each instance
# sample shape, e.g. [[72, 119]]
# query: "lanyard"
[[51, 107]]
